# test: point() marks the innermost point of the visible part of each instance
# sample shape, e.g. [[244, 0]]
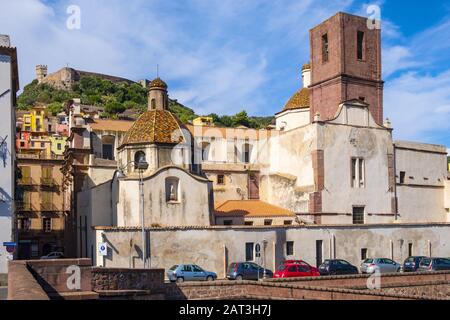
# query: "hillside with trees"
[[116, 98]]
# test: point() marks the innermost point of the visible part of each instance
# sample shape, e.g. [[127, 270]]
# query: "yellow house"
[[35, 120], [58, 144], [203, 121]]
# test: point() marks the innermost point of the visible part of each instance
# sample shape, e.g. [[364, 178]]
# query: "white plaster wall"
[[7, 126], [340, 143], [292, 119], [193, 207], [447, 198], [206, 247]]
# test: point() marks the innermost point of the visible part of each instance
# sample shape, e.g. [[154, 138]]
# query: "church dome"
[[155, 126], [299, 100], [158, 83]]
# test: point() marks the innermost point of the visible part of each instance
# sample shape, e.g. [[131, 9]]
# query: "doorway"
[[319, 252]]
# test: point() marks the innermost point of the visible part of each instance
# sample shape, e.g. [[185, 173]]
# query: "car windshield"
[[281, 267], [410, 259], [173, 267], [368, 261]]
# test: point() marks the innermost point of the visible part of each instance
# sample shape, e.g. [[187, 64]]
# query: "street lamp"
[[141, 165], [264, 261]]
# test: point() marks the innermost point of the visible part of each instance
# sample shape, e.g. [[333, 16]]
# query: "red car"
[[296, 268]]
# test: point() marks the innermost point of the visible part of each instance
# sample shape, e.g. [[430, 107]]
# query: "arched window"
[[247, 152], [172, 189], [139, 156], [206, 146]]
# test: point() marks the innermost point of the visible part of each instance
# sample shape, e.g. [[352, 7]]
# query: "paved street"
[[3, 293]]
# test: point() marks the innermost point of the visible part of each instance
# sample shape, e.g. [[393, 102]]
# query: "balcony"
[[26, 181], [48, 182], [24, 206]]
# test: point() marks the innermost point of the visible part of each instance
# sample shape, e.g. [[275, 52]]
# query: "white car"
[[53, 255]]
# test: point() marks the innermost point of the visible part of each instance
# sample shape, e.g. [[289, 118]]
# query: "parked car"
[[247, 271], [297, 268], [384, 265], [411, 264], [434, 264], [53, 255], [337, 266], [189, 272]]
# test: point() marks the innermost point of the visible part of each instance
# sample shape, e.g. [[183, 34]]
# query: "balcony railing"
[[24, 206], [48, 181], [41, 156]]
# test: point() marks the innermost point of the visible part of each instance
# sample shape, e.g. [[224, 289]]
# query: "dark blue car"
[[411, 264]]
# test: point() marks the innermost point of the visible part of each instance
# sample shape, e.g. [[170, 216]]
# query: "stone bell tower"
[[345, 65], [157, 95]]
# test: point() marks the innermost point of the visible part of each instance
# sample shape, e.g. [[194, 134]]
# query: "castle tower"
[[345, 65], [41, 72], [157, 95]]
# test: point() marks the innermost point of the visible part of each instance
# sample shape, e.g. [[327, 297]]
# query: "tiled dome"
[[155, 126], [158, 83], [299, 100]]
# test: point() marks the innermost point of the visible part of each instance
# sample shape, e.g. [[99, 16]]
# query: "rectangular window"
[[23, 224], [227, 222], [358, 215], [220, 179], [325, 48], [358, 173], [363, 99], [363, 253], [249, 254], [248, 223], [35, 250], [360, 45], [402, 176], [289, 248], [47, 224], [268, 222], [58, 146], [107, 151], [287, 222]]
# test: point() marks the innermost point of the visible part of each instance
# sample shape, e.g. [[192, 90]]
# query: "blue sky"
[[223, 56]]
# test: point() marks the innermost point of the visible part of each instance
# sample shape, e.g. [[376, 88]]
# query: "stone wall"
[[21, 283], [104, 279]]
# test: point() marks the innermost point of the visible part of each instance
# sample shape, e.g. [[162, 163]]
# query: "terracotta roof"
[[299, 100], [111, 125], [251, 208], [158, 83], [155, 126]]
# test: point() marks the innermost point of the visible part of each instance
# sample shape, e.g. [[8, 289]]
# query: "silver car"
[[383, 265], [189, 272]]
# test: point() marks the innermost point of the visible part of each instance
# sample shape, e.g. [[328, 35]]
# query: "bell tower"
[[157, 95], [345, 65]]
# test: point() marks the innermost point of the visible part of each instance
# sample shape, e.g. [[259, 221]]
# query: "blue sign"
[[9, 244]]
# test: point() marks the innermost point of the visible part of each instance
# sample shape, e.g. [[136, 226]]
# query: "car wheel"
[[238, 277], [180, 280], [209, 278]]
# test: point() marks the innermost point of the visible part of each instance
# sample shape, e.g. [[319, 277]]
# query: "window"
[[42, 144], [27, 128], [248, 223], [358, 215], [268, 222], [363, 253], [47, 224], [290, 248], [247, 152], [153, 103], [220, 179], [58, 146], [187, 268], [47, 175], [34, 250], [23, 224], [197, 268], [410, 249], [358, 173], [22, 144], [402, 176], [249, 254], [228, 222], [325, 48], [287, 222], [362, 98], [138, 157], [205, 151], [107, 151], [360, 45], [172, 186]]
